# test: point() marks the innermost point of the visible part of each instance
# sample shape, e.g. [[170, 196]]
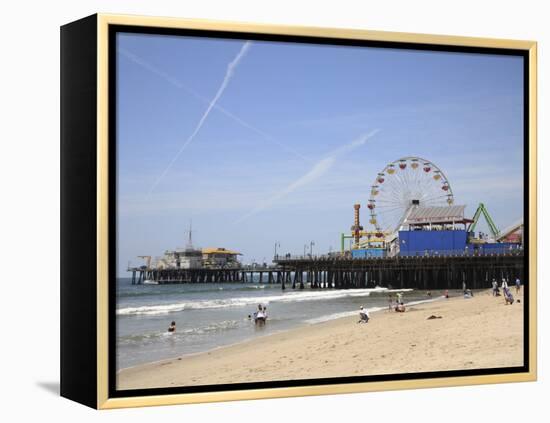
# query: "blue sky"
[[297, 136]]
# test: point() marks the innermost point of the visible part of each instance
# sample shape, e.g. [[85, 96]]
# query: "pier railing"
[[425, 253]]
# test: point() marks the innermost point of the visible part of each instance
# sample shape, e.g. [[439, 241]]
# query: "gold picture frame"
[[96, 32]]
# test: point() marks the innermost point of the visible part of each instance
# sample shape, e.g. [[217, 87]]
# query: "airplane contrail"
[[177, 83], [228, 75], [318, 170]]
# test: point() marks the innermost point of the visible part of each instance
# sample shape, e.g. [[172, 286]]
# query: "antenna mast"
[[190, 240]]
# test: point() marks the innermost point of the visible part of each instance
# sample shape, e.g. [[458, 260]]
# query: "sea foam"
[[293, 296]]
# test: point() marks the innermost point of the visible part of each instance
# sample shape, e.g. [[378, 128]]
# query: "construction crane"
[[481, 209]]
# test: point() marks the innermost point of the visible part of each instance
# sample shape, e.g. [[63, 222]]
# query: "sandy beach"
[[480, 332]]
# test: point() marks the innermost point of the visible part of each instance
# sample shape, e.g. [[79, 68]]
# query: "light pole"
[[305, 247], [277, 244], [311, 244]]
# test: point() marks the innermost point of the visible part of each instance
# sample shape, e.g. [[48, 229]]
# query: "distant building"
[[437, 218], [220, 257], [188, 258], [434, 230]]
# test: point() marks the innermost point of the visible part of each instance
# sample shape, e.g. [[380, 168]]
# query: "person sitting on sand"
[[363, 315], [172, 327], [508, 297], [400, 308]]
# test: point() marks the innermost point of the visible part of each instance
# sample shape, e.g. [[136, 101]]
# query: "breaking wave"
[[299, 296]]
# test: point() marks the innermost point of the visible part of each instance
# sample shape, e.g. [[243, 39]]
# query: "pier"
[[267, 274], [439, 271], [417, 272]]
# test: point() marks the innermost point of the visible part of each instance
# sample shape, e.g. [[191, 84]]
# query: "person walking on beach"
[[390, 302], [495, 287], [518, 285], [399, 298], [504, 284]]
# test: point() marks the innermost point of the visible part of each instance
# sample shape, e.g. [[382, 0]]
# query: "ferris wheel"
[[403, 185]]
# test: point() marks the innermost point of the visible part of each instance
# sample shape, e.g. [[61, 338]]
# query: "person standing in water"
[[172, 327]]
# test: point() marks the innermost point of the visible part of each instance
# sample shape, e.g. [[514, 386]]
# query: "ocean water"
[[210, 315]]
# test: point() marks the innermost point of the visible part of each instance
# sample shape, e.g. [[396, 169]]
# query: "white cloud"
[[318, 170]]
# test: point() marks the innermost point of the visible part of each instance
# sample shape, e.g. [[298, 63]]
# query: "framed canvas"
[[256, 211]]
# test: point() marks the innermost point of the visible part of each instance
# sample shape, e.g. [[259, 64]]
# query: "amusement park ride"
[[413, 194]]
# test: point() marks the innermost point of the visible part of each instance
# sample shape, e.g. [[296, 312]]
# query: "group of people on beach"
[[508, 297], [399, 305], [260, 315]]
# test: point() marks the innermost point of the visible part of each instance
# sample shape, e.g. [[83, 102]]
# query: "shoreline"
[[301, 325], [469, 334]]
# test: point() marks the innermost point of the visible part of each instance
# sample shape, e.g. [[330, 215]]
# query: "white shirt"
[[504, 284]]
